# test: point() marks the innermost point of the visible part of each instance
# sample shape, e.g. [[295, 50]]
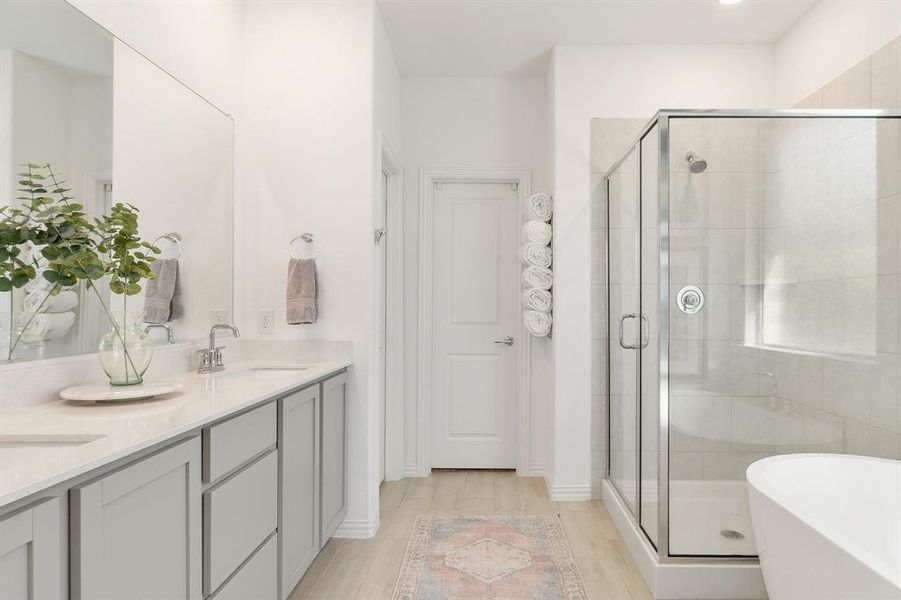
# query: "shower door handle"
[[622, 320], [645, 332]]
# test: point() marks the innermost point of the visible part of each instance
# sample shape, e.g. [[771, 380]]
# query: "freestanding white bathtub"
[[828, 526]]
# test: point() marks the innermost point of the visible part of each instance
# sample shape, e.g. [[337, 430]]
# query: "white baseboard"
[[357, 529], [569, 493], [534, 470], [413, 471]]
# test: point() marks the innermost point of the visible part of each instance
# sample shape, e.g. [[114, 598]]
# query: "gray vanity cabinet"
[[334, 448], [136, 532], [30, 567], [240, 506], [299, 442]]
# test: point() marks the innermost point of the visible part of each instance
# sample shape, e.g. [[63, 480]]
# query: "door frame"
[[394, 314], [427, 180]]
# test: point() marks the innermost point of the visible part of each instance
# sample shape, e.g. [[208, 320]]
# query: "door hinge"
[[379, 234]]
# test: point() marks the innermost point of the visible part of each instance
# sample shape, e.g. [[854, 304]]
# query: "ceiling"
[[446, 38]]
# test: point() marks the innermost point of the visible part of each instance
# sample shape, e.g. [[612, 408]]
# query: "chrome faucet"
[[170, 336], [211, 358]]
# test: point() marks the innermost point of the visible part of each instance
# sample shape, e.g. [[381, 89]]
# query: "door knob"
[[507, 341]]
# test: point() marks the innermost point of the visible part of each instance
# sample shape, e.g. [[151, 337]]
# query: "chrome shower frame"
[[662, 120]]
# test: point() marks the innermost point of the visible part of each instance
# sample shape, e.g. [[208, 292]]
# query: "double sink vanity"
[[226, 490]]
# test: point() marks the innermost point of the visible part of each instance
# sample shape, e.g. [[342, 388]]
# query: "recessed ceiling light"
[[727, 2]]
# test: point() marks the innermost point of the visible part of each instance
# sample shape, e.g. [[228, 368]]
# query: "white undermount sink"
[[18, 448], [262, 368]]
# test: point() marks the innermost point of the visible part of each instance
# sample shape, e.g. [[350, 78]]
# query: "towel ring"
[[175, 239], [307, 250]]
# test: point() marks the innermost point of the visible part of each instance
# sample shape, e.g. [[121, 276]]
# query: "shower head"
[[696, 164]]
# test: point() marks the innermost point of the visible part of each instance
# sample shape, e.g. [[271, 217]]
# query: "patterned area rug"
[[492, 558]]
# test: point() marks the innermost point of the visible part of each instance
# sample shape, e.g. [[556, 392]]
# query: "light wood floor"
[[368, 569]]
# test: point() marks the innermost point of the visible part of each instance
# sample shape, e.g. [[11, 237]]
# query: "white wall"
[[388, 137], [387, 89], [198, 42], [306, 156], [830, 39], [615, 81], [469, 123]]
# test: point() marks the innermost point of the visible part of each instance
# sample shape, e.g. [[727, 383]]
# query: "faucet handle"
[[216, 357], [205, 358]]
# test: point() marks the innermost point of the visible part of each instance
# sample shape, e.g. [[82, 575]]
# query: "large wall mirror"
[[117, 129]]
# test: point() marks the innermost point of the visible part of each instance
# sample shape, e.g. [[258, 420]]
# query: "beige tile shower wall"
[[829, 243], [845, 227], [715, 243]]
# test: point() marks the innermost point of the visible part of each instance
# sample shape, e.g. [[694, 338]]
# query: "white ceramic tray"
[[114, 393]]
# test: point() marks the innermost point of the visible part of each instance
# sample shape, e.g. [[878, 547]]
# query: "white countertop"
[[124, 428]]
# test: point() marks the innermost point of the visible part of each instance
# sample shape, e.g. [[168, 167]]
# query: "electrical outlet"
[[218, 316], [266, 320]]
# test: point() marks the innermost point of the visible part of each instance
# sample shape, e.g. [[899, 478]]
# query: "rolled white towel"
[[536, 255], [38, 285], [538, 323], [538, 277], [537, 299], [537, 232], [62, 302], [539, 207], [45, 326]]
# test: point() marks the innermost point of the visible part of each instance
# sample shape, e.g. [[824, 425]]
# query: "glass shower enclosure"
[[753, 284]]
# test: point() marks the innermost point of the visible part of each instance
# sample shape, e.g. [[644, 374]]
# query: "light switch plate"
[[266, 320], [218, 316]]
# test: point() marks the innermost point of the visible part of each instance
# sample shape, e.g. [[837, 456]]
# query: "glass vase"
[[125, 350]]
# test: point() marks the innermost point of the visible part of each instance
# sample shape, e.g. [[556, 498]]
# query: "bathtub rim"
[[754, 473]]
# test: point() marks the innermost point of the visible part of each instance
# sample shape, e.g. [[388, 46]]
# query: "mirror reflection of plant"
[[129, 258], [73, 246]]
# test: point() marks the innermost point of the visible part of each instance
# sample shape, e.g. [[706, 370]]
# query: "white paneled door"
[[475, 311]]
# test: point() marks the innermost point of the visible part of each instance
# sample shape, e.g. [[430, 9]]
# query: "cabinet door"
[[257, 579], [334, 453], [299, 466], [30, 566], [136, 533]]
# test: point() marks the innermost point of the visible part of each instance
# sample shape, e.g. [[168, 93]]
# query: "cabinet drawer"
[[229, 444], [238, 516], [257, 579]]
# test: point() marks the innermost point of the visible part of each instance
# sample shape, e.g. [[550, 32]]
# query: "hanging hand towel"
[[160, 292], [538, 277], [536, 255], [537, 232], [302, 291], [40, 301], [537, 299], [538, 323], [539, 207]]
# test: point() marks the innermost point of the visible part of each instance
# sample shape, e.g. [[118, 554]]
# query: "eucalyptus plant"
[[76, 248]]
